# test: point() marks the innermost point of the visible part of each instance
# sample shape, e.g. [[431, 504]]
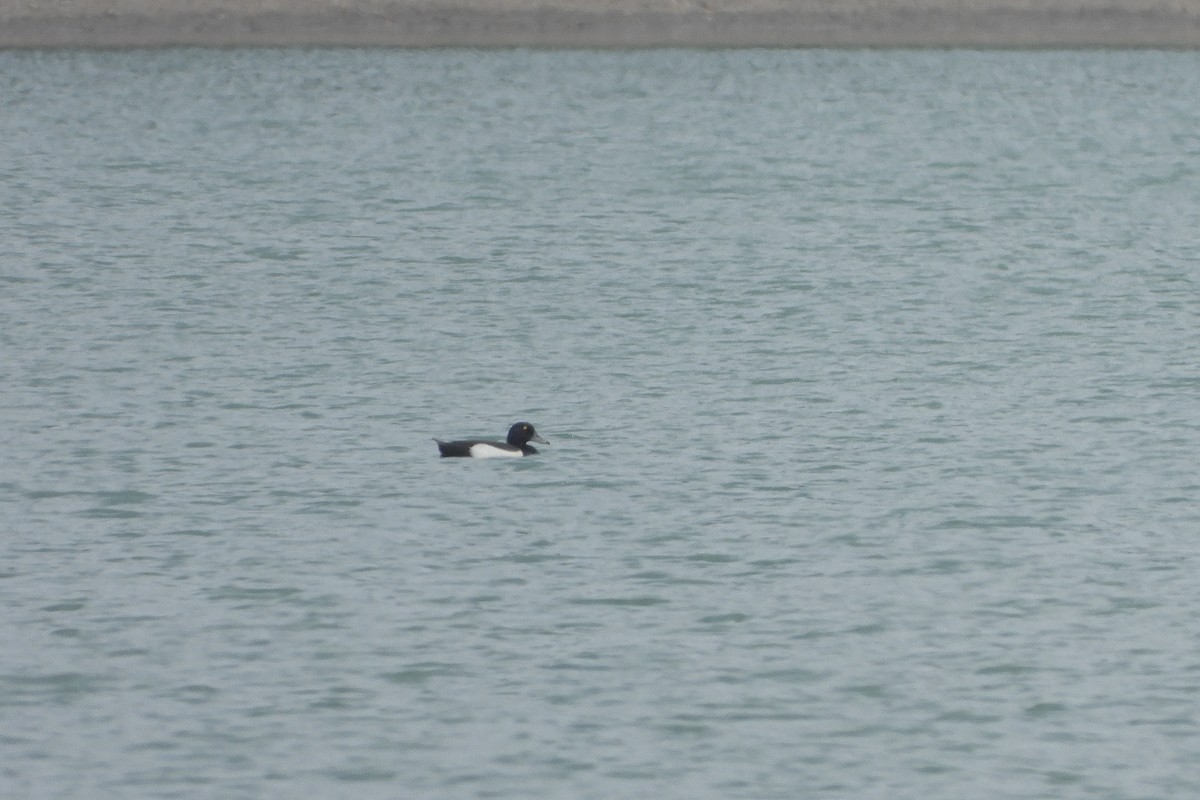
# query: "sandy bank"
[[602, 23]]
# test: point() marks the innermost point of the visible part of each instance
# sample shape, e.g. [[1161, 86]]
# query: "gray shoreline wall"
[[959, 25]]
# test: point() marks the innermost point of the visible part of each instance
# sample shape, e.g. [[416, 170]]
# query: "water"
[[870, 381]]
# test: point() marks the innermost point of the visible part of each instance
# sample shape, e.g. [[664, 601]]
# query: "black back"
[[460, 449]]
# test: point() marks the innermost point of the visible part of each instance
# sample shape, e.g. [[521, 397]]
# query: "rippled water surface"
[[870, 380]]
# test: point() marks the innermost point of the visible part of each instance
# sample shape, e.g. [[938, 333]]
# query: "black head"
[[522, 433]]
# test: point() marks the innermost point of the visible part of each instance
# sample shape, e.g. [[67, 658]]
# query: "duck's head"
[[523, 433]]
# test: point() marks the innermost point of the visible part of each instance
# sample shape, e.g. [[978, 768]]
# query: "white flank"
[[488, 451]]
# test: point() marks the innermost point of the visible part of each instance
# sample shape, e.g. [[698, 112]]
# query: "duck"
[[519, 436]]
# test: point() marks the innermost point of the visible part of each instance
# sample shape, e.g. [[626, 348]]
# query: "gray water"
[[870, 380]]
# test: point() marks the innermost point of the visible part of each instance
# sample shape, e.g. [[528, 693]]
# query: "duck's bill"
[[537, 438]]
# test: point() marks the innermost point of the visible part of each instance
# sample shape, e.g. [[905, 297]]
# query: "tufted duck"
[[519, 436]]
